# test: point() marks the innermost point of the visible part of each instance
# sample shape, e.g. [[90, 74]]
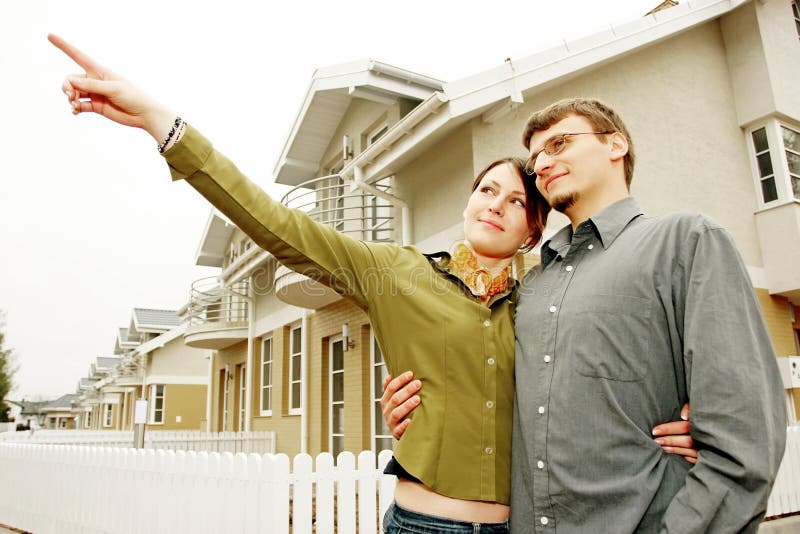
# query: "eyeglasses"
[[554, 145]]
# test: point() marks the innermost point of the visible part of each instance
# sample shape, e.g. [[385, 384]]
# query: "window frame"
[[153, 396], [331, 402], [108, 415], [266, 382], [376, 392], [778, 158], [292, 380]]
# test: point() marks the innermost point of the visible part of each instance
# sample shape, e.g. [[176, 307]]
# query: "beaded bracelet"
[[163, 145]]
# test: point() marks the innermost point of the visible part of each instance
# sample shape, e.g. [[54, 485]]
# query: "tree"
[[7, 370]]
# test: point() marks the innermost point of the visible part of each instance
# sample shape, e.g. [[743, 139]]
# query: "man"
[[626, 318]]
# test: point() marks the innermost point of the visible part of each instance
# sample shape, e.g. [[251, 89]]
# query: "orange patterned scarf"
[[464, 264]]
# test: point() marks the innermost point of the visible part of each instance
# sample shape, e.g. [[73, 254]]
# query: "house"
[[61, 413], [24, 412], [708, 90]]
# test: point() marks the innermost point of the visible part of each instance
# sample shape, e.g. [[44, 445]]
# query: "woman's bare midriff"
[[419, 498]]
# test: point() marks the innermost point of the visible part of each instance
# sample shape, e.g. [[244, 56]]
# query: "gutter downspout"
[[248, 403], [304, 343]]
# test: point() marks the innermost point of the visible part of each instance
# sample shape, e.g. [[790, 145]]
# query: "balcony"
[[217, 314], [359, 214], [779, 236]]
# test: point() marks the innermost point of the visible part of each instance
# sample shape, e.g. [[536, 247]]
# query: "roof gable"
[[327, 100]]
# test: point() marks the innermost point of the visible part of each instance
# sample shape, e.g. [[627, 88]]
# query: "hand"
[[674, 437], [399, 400], [99, 90]]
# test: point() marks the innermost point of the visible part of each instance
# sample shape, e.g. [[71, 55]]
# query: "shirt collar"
[[463, 264], [607, 225]]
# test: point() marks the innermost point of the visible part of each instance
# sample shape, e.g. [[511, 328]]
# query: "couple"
[[632, 344]]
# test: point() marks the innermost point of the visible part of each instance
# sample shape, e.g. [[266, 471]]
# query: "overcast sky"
[[91, 225]]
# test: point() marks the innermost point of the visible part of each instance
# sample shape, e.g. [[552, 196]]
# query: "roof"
[[493, 93], [107, 362], [29, 407], [61, 403], [151, 320], [326, 101], [125, 341]]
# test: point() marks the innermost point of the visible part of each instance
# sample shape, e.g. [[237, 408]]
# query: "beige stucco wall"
[[436, 185], [178, 359], [675, 98], [360, 118], [782, 49], [187, 402]]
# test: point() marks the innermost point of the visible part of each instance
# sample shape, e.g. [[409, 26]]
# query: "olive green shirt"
[[424, 318]]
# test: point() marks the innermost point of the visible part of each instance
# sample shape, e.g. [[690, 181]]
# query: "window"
[[336, 414], [266, 377], [108, 413], [295, 377], [87, 422], [776, 161], [764, 164], [791, 145], [157, 403], [796, 13], [381, 435], [377, 133]]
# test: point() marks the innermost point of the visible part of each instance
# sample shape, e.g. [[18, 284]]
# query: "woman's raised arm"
[[100, 90]]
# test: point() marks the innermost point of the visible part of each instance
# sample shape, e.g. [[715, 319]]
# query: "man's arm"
[[738, 418], [401, 396]]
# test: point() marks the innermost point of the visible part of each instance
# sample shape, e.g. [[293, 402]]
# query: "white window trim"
[[333, 341], [780, 165], [266, 382], [292, 381], [108, 415], [87, 421], [153, 389], [370, 137], [375, 394], [242, 397]]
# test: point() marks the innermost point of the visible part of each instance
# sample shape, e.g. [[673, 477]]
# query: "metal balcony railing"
[[211, 303], [359, 214]]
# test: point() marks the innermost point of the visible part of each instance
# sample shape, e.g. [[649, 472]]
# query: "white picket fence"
[[71, 488], [785, 496], [67, 488], [258, 442]]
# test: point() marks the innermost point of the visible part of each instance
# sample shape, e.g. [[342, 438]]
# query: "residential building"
[[708, 90], [61, 413]]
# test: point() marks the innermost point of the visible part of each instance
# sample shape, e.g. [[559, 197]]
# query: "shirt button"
[[490, 361], [489, 404], [487, 323], [553, 309], [489, 450], [547, 358], [540, 464], [568, 268], [591, 247], [543, 521], [541, 409]]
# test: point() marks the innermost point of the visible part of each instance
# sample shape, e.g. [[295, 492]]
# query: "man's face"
[[579, 172]]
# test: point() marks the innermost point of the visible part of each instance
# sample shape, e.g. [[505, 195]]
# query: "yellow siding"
[[187, 401], [777, 315]]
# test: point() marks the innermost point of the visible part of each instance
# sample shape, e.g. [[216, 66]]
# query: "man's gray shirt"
[[624, 321]]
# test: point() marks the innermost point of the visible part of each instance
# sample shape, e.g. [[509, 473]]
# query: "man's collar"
[[607, 224]]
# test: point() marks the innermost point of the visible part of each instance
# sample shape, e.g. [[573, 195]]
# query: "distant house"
[[61, 413], [24, 412]]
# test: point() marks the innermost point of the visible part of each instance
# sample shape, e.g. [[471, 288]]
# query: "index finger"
[[74, 53]]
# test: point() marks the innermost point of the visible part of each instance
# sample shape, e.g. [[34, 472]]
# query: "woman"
[[449, 317]]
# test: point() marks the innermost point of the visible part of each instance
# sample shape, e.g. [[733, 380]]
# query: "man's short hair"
[[600, 116]]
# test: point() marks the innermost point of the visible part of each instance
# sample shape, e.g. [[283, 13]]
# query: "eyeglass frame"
[[531, 162]]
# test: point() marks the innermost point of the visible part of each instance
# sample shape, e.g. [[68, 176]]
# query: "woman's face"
[[495, 220]]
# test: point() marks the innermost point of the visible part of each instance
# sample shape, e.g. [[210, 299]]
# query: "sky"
[[91, 225]]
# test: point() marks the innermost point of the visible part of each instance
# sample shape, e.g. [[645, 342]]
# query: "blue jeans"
[[398, 520]]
